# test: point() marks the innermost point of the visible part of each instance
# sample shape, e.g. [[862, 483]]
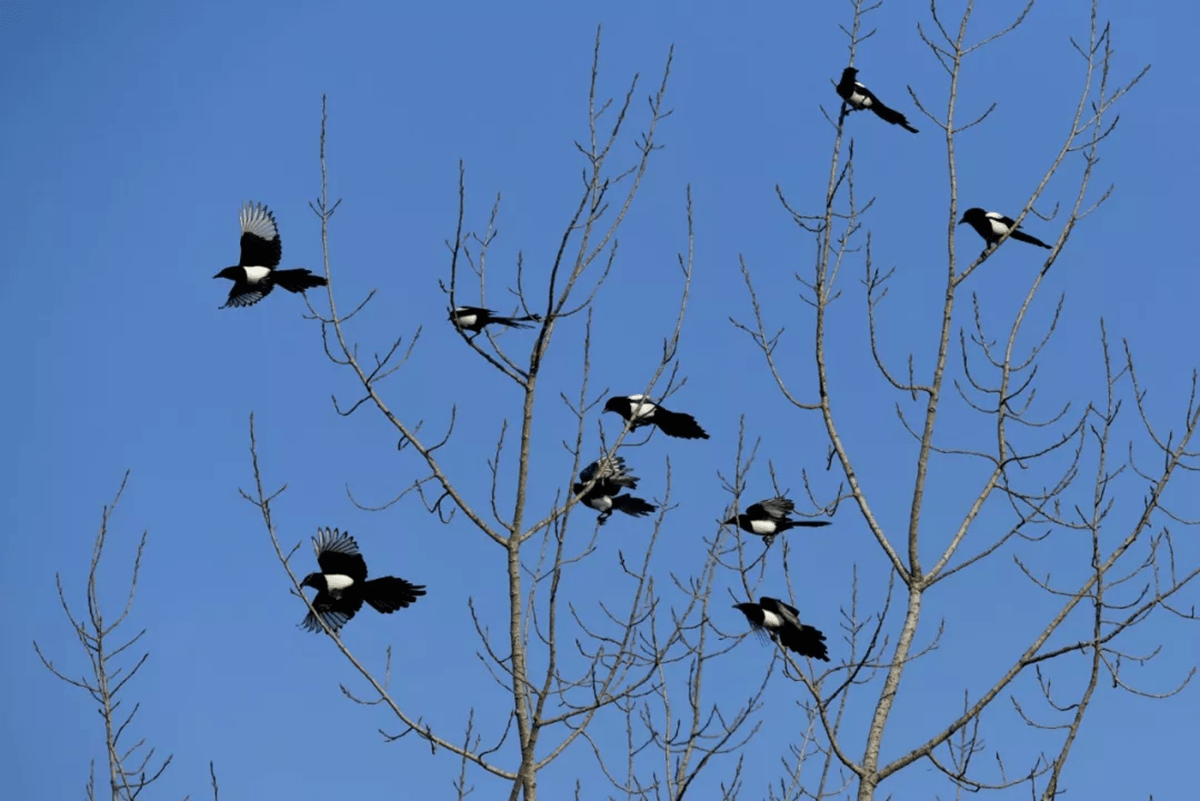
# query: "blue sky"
[[132, 134]]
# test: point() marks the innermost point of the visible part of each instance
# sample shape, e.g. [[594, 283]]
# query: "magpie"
[[254, 276], [859, 97], [474, 318], [992, 225], [774, 618], [641, 411], [611, 477], [342, 584], [770, 517]]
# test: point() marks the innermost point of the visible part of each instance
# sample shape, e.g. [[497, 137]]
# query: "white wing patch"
[[858, 99], [257, 219], [763, 527], [641, 408], [467, 320], [602, 503], [337, 582], [998, 227], [255, 275], [771, 620]]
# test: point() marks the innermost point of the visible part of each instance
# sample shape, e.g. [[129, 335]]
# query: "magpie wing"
[[260, 237], [789, 613], [1000, 218], [337, 554], [334, 612], [775, 508]]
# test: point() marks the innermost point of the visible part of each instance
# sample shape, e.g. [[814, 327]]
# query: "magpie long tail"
[[678, 424], [387, 594], [786, 524], [632, 506], [894, 117], [804, 640], [518, 322], [1020, 236], [297, 280]]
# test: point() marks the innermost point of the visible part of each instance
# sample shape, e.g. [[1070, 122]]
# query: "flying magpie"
[[641, 411], [342, 584], [254, 276], [992, 225], [770, 517], [859, 97], [781, 623], [611, 477], [474, 318]]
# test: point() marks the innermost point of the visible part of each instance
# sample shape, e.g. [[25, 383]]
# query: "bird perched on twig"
[[604, 496], [770, 517], [474, 318], [781, 623], [254, 276], [342, 584], [641, 411], [859, 97], [992, 225]]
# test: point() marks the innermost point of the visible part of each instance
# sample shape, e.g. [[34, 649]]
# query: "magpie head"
[[972, 214], [733, 521], [616, 404], [232, 273], [751, 611], [849, 73], [314, 580]]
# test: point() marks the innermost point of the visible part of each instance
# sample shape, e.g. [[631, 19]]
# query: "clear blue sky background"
[[132, 133]]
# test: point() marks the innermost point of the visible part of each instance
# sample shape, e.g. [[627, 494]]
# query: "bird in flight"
[[992, 225], [770, 517], [254, 276], [342, 584], [604, 496], [474, 318], [781, 623], [640, 411], [859, 97]]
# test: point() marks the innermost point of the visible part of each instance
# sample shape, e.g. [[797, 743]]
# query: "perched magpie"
[[641, 411], [859, 97], [611, 477], [770, 517], [254, 276], [473, 319], [342, 584], [781, 623], [992, 225]]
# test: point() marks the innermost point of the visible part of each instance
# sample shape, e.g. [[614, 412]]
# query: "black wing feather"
[[261, 246], [337, 554]]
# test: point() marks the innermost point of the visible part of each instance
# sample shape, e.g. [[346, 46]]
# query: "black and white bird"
[[604, 496], [770, 517], [640, 411], [254, 276], [859, 97], [774, 618], [992, 225], [342, 584], [474, 318]]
